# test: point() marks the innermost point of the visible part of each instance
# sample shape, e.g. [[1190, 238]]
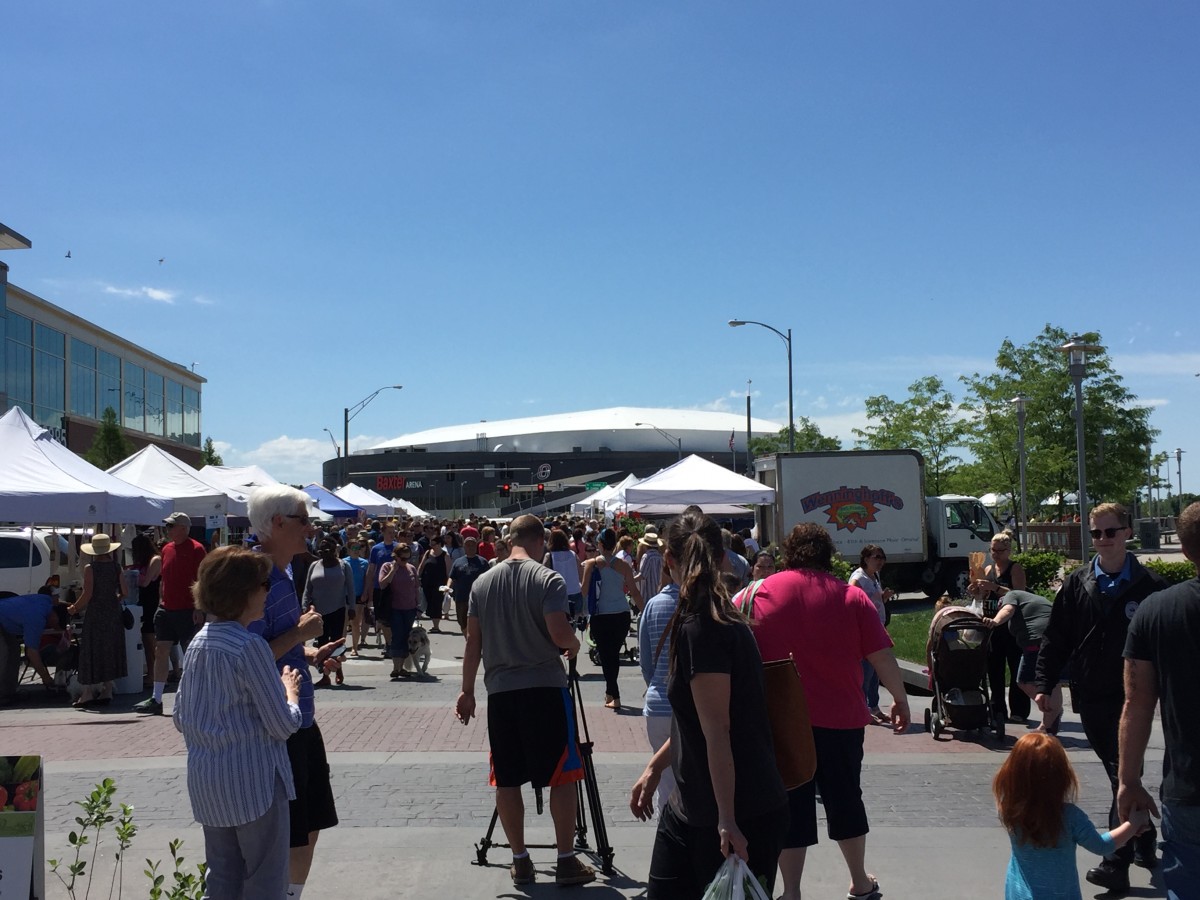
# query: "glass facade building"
[[62, 369]]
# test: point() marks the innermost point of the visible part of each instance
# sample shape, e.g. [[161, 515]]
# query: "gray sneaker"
[[150, 706]]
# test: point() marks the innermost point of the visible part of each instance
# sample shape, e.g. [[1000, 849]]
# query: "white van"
[[25, 568]]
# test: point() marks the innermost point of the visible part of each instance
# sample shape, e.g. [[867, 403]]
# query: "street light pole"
[[1077, 350], [678, 442], [1023, 525], [347, 415], [461, 503], [1179, 474], [787, 340]]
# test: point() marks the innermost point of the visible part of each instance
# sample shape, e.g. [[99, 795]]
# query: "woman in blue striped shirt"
[[236, 712]]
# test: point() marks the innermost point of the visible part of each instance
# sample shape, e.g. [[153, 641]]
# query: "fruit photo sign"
[[20, 827]]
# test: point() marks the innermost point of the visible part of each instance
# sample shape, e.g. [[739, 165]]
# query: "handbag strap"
[[748, 597]]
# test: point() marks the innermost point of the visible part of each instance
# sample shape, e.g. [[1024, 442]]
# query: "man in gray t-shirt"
[[517, 627]]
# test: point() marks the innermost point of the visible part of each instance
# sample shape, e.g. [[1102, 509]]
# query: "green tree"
[[927, 421], [110, 445], [808, 437], [209, 455], [1116, 429]]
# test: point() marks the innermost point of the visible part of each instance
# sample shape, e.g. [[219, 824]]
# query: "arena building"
[[64, 371], [541, 463]]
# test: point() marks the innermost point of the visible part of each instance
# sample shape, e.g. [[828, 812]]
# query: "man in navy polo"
[[23, 619]]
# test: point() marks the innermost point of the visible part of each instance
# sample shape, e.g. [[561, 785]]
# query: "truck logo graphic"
[[851, 508]]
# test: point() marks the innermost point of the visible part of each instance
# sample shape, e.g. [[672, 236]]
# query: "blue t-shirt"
[[281, 613], [1049, 873], [358, 568], [25, 617], [380, 554]]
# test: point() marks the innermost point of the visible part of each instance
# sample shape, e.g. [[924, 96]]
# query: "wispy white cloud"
[[294, 460], [1156, 363], [158, 295], [201, 300]]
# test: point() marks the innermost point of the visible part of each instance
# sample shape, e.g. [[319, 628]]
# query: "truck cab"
[[958, 526]]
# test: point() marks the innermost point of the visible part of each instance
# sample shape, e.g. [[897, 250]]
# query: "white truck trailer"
[[878, 497]]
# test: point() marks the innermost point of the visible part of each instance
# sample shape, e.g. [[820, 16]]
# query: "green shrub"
[[1041, 569], [1174, 572], [842, 569]]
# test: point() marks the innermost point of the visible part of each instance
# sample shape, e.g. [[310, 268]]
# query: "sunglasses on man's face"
[[1106, 532]]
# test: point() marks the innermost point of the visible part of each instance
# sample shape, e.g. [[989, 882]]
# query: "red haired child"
[[1035, 790]]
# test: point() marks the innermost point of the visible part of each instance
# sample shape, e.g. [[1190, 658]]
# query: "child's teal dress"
[[1049, 873]]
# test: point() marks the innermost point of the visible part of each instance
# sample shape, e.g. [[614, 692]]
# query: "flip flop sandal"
[[872, 894]]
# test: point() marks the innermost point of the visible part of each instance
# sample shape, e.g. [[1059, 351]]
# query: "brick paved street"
[[410, 780]]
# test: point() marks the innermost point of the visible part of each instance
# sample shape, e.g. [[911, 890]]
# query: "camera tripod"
[[587, 794]]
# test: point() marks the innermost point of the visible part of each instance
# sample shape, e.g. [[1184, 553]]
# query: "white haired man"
[[279, 516]]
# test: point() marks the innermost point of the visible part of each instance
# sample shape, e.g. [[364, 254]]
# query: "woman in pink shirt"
[[829, 628]]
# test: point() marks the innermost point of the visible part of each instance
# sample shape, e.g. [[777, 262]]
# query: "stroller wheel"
[[998, 727], [928, 721], [594, 656]]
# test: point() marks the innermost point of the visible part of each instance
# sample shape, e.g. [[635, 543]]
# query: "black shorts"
[[175, 626], [313, 808], [532, 735], [149, 608], [839, 772]]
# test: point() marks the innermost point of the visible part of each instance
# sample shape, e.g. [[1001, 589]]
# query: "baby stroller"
[[958, 655]]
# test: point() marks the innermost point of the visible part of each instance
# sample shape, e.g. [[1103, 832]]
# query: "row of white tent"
[[43, 481], [692, 480]]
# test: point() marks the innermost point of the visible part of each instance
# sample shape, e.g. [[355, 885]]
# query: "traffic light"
[[504, 490], [541, 490]]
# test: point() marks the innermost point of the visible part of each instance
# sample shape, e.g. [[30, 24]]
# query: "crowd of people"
[[711, 606]]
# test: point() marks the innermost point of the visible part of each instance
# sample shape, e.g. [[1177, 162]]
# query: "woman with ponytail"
[[729, 796]]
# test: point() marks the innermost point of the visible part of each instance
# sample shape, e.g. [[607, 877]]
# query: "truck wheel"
[[958, 580], [931, 582]]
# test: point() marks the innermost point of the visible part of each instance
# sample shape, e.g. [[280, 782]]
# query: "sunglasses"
[[303, 520], [1106, 532]]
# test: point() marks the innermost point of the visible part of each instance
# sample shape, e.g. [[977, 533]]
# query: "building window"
[[133, 396], [108, 384], [49, 376], [174, 410], [156, 414], [191, 417], [83, 379], [20, 330]]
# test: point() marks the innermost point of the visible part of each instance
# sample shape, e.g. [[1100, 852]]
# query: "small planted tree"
[[110, 445]]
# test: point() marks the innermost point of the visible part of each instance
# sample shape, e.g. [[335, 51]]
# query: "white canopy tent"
[[696, 480], [153, 469], [994, 500], [609, 496], [239, 479], [409, 509], [1057, 499], [42, 481], [365, 499]]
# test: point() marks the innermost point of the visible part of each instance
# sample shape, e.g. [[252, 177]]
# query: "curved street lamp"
[[678, 442], [349, 413], [1077, 350], [787, 340]]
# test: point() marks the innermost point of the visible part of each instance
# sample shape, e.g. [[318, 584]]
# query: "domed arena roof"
[[617, 429]]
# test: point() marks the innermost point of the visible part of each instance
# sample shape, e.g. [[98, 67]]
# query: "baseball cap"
[[176, 518]]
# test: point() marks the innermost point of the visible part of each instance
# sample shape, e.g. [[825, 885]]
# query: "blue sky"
[[525, 207]]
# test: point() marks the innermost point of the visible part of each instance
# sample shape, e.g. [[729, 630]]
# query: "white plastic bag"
[[734, 881]]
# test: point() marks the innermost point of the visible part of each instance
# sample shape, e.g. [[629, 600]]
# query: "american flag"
[[731, 434]]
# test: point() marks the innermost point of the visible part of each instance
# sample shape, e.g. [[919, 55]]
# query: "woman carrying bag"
[[729, 797]]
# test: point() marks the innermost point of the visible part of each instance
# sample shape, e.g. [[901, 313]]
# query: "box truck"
[[878, 497]]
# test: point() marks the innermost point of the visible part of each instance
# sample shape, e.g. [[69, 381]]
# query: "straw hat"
[[100, 544], [650, 539]]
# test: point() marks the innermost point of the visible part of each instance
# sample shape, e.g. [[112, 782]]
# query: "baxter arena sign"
[[395, 482]]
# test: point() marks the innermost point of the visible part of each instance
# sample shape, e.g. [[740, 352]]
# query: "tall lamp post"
[[1179, 474], [1023, 525], [678, 442], [349, 413], [461, 502], [1077, 350], [787, 340]]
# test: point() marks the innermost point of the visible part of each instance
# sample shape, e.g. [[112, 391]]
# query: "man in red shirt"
[[177, 619]]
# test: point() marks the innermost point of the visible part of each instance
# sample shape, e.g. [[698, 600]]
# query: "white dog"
[[419, 653]]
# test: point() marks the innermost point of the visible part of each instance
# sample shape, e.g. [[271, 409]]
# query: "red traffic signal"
[[541, 489], [504, 490]]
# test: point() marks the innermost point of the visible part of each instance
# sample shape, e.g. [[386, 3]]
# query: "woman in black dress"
[[434, 571], [102, 646]]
